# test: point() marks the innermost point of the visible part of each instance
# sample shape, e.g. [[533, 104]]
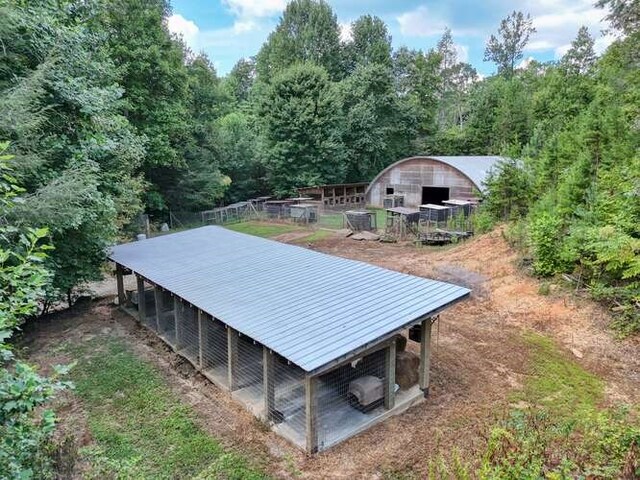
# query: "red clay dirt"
[[479, 358]]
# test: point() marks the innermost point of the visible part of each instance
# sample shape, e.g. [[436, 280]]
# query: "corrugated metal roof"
[[476, 168], [307, 306]]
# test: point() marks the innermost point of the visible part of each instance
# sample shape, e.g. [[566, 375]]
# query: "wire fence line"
[[348, 398]]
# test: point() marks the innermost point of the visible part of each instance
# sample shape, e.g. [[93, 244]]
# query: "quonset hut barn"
[[306, 341], [430, 180]]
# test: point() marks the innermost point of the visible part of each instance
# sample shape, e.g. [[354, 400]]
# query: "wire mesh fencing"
[[187, 332], [247, 373], [149, 319], [167, 323], [214, 354], [286, 398], [349, 397]]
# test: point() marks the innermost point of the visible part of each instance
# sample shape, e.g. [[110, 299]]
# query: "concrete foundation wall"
[[409, 177]]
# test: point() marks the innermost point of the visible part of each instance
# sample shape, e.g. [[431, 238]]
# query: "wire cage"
[[214, 355], [166, 319], [313, 411], [286, 398], [149, 307], [342, 410], [187, 332], [247, 372]]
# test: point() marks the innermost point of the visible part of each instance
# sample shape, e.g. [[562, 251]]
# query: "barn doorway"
[[435, 195]]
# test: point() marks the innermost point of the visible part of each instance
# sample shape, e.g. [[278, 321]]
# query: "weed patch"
[[564, 434]]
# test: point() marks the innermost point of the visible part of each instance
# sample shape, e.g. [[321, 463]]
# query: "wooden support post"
[[177, 319], [122, 297], [269, 382], [311, 413], [142, 304], [425, 350], [157, 295], [203, 334], [390, 376], [232, 357]]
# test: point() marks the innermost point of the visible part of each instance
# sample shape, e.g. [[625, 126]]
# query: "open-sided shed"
[[307, 341]]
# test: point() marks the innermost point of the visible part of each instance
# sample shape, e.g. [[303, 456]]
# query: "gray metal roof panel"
[[309, 307], [477, 168]]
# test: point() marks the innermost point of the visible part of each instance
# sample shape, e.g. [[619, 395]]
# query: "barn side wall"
[[409, 177]]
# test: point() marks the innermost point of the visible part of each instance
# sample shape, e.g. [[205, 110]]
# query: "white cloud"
[[252, 20], [184, 28], [242, 26], [255, 8], [346, 35], [557, 23], [420, 22]]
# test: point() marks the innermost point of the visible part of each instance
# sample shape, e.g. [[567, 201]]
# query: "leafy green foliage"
[[370, 43], [301, 122], [378, 126], [308, 32], [25, 426], [574, 194], [505, 48], [75, 153], [559, 432]]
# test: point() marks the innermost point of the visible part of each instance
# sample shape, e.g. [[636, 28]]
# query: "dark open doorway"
[[435, 195]]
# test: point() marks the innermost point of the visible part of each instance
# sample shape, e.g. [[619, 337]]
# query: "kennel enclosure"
[[314, 344]]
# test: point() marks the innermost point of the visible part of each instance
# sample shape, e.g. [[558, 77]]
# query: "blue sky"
[[227, 30]]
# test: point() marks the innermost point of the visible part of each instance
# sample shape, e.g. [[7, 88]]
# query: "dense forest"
[[105, 114]]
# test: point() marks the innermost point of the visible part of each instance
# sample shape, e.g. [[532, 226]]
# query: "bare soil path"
[[479, 358]]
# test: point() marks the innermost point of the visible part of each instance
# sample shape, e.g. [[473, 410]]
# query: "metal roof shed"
[[276, 323]]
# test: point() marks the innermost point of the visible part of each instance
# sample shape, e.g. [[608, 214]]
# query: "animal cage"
[[213, 354], [318, 369], [187, 332], [342, 408], [359, 220]]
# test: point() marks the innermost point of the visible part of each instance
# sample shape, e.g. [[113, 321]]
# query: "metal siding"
[[408, 175], [309, 307]]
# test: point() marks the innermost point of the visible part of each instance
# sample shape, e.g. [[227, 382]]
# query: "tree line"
[[108, 114]]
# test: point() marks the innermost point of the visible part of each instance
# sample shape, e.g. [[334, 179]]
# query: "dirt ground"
[[478, 359]]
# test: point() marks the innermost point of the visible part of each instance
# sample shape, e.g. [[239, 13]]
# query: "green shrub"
[[544, 237]]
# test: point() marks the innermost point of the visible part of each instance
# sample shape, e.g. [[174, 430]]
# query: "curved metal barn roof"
[[309, 307], [475, 168]]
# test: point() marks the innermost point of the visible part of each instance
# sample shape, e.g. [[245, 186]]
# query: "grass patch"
[[558, 383], [261, 229], [141, 429], [315, 236]]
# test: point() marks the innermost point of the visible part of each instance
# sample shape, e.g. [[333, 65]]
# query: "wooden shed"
[[347, 194], [431, 180]]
